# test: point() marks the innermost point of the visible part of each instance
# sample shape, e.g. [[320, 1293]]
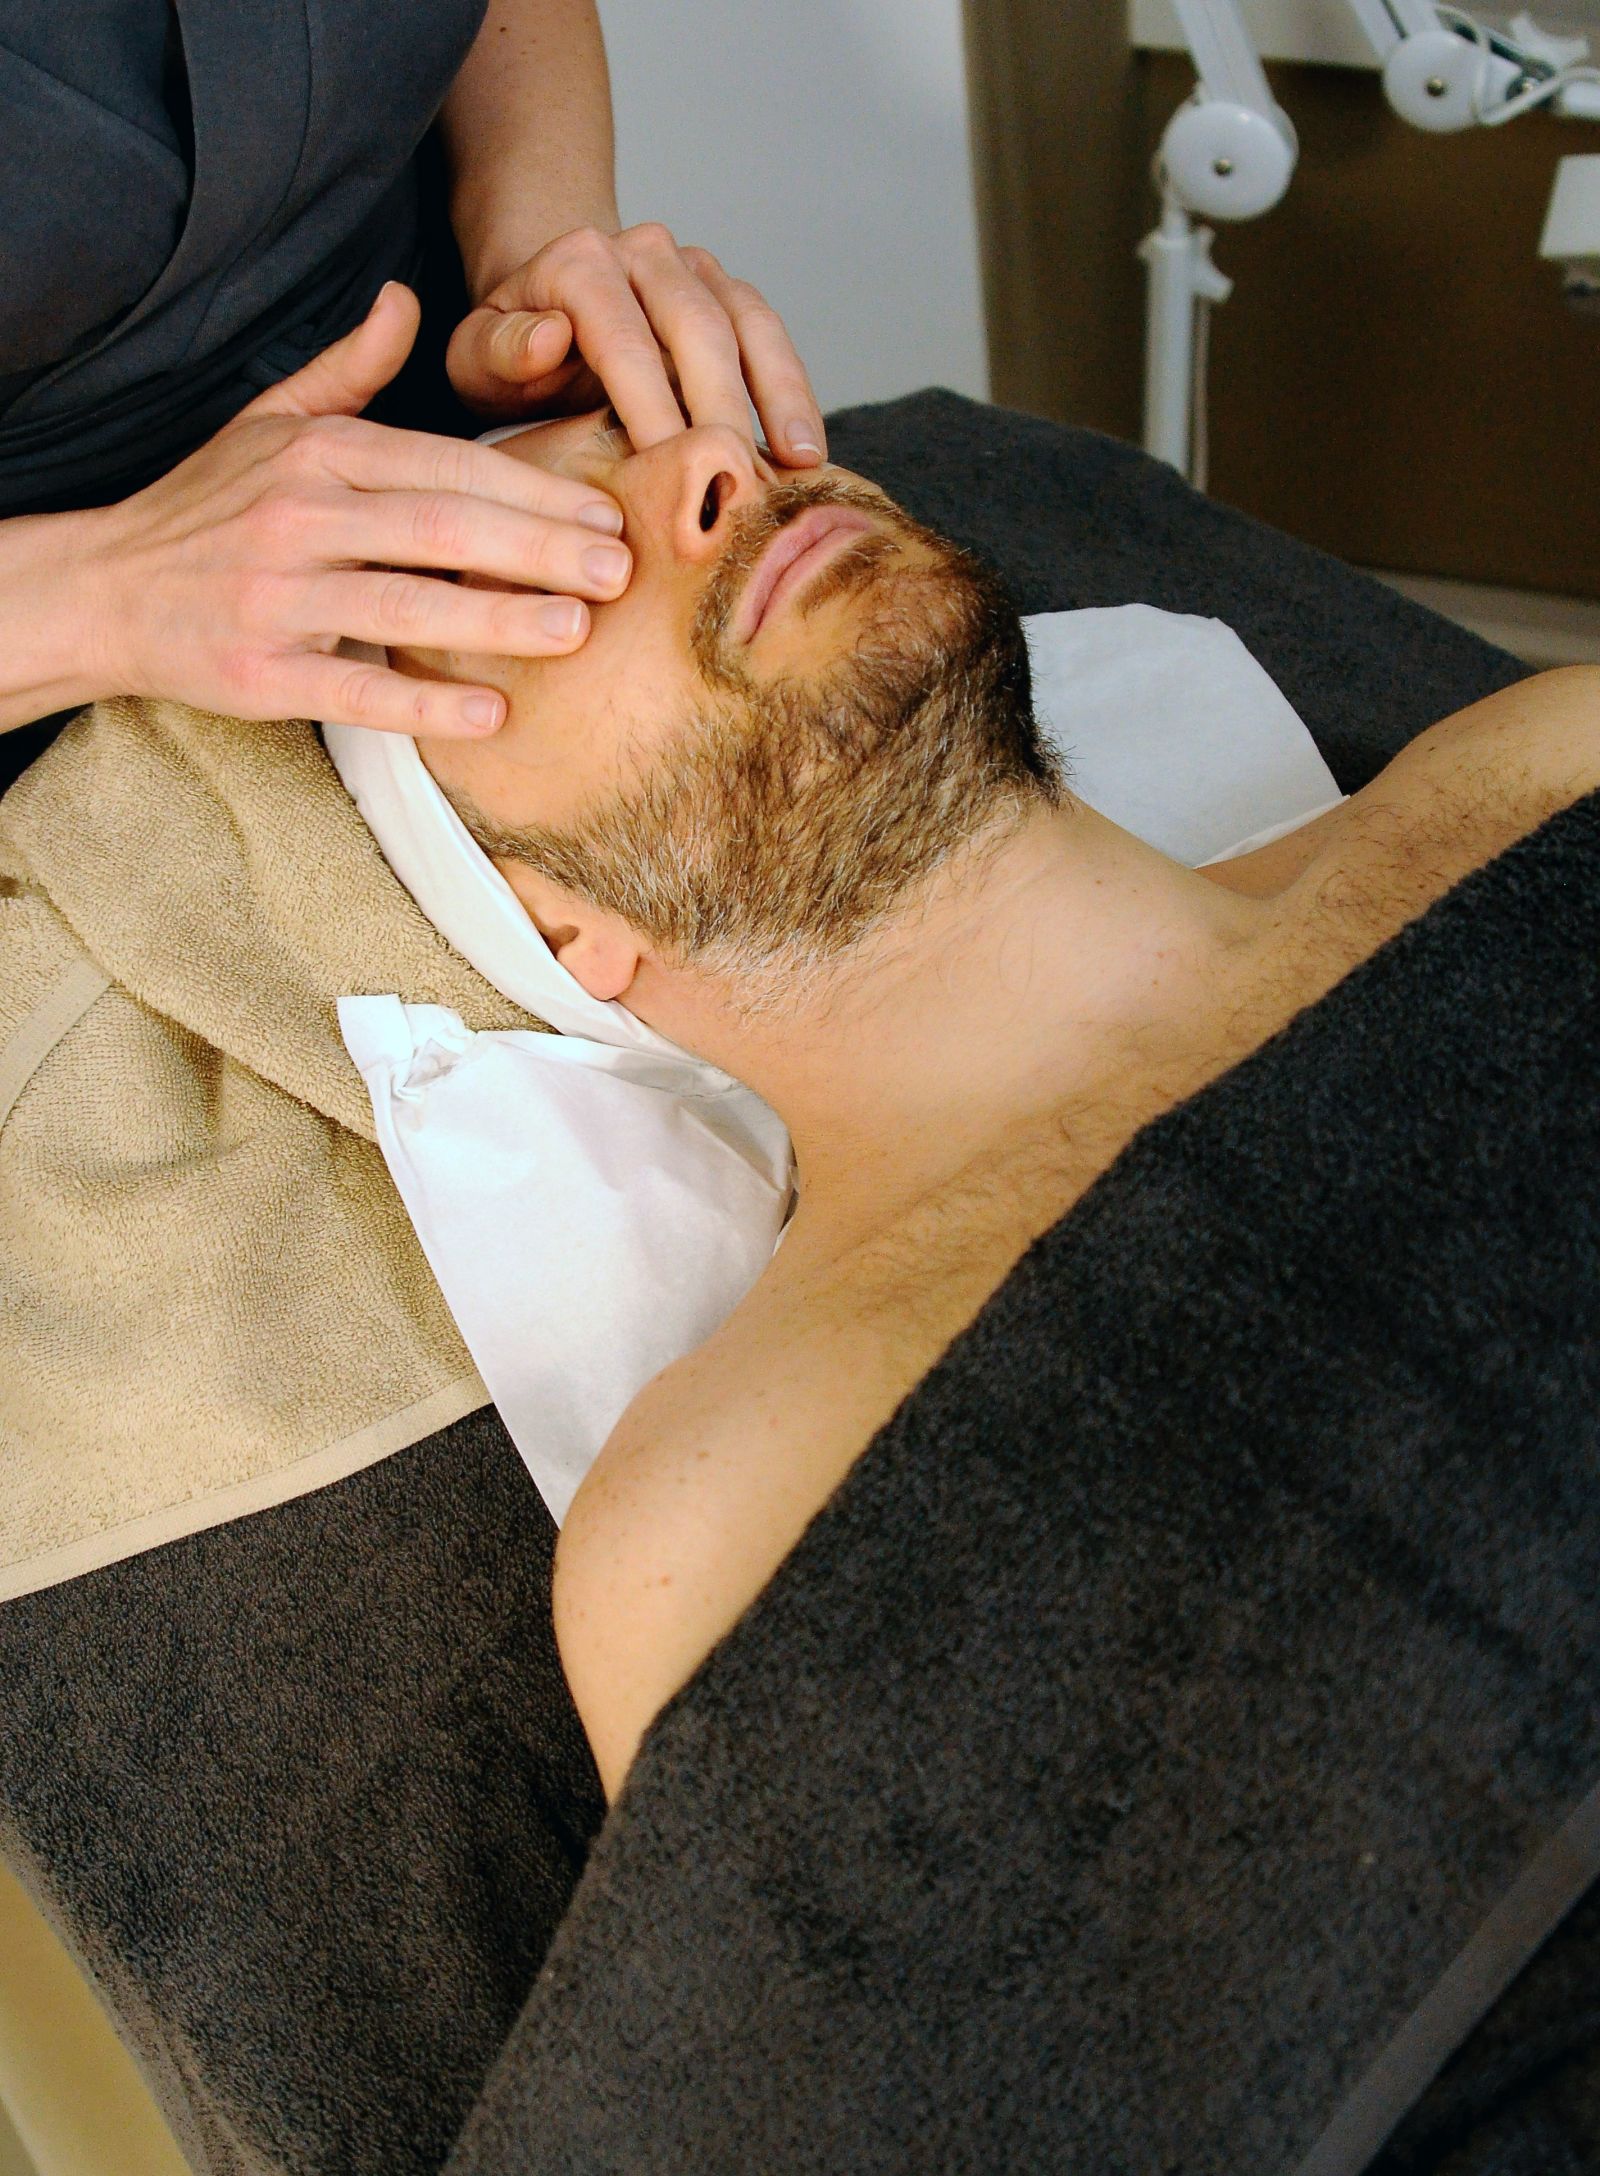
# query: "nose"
[[693, 484]]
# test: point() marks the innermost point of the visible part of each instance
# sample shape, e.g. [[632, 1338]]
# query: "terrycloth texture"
[[1184, 1672], [213, 1298], [320, 1802], [306, 1796]]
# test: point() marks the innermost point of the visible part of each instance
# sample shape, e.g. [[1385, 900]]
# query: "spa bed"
[[305, 1796]]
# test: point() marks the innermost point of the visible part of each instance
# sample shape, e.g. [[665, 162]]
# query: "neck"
[[1027, 976]]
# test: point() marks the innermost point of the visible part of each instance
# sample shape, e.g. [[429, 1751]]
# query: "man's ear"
[[597, 949], [601, 953]]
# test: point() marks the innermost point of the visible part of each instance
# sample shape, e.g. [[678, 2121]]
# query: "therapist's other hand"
[[231, 581], [598, 317]]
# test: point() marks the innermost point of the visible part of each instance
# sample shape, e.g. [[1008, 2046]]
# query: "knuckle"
[[456, 466], [279, 521], [401, 604], [631, 346], [297, 454], [360, 692], [504, 627], [701, 262], [436, 527], [258, 598], [753, 307], [308, 451], [715, 333], [581, 246], [538, 560], [654, 236], [246, 671]]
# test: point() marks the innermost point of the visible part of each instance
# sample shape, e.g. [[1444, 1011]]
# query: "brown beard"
[[755, 530], [785, 821]]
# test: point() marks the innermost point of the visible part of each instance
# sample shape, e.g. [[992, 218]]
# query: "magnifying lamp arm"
[[1229, 152]]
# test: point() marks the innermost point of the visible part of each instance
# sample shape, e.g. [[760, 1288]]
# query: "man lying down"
[[790, 806]]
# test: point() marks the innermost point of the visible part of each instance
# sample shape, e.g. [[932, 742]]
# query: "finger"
[[586, 277], [493, 354], [571, 390], [344, 377], [790, 416], [694, 328], [421, 614], [376, 457], [343, 691], [471, 536]]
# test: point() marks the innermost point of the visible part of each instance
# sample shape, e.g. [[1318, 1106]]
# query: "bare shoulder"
[[1459, 793], [701, 1491], [1456, 797], [1519, 755], [720, 1464]]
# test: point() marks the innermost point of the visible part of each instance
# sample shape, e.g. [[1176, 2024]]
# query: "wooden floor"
[[1540, 629], [71, 2101], [13, 2160]]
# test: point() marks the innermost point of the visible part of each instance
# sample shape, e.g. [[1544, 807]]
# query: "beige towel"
[[210, 1297]]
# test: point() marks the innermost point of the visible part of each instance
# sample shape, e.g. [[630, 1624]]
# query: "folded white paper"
[[591, 1213], [1171, 728], [594, 1203]]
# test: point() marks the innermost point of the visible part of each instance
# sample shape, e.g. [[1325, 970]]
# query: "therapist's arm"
[[527, 130], [46, 650], [572, 310]]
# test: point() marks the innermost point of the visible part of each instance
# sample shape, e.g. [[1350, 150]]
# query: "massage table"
[[305, 1796]]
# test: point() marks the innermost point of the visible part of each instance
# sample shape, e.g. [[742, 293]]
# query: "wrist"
[[57, 617], [497, 236]]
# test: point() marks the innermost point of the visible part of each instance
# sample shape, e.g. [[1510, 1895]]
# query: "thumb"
[[501, 359], [343, 378]]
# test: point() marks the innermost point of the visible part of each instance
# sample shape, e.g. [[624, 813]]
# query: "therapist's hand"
[[624, 318], [230, 582]]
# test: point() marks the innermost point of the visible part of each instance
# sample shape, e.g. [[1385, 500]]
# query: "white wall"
[[819, 147]]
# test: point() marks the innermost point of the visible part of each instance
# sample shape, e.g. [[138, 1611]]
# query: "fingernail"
[[482, 711], [513, 335], [562, 617], [607, 565], [382, 293], [600, 514], [802, 438]]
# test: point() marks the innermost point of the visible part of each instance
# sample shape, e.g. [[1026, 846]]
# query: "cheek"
[[464, 767], [547, 757], [601, 710], [576, 726]]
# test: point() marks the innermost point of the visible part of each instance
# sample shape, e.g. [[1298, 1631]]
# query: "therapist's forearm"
[[50, 632], [527, 131]]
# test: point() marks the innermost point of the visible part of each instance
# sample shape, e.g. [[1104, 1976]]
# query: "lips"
[[798, 551]]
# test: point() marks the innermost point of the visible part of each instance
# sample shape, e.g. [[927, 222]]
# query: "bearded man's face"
[[802, 703]]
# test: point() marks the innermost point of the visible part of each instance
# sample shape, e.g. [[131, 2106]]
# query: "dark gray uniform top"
[[194, 199]]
